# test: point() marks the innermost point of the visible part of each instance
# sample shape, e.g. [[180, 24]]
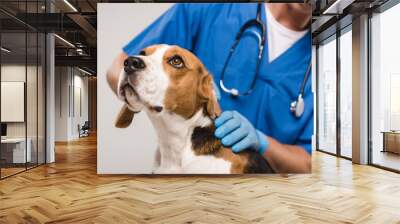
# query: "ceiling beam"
[[81, 61], [49, 22], [337, 7], [84, 24]]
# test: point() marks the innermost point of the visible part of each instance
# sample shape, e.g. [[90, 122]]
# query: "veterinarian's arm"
[[287, 158], [294, 158], [179, 25]]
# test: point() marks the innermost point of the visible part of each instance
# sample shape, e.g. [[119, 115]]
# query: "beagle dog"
[[176, 91]]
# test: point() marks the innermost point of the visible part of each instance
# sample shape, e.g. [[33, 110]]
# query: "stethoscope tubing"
[[261, 43], [297, 106]]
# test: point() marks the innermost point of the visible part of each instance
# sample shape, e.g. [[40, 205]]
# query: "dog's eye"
[[143, 53], [176, 61]]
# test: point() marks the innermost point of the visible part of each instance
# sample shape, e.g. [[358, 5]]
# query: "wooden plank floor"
[[70, 191], [10, 171]]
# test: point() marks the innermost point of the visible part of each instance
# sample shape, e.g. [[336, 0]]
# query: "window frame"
[[333, 37], [381, 9]]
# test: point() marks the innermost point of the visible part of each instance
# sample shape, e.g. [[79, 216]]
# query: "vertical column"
[[314, 90], [338, 80], [360, 90], [50, 92]]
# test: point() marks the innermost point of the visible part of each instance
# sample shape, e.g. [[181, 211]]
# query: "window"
[[327, 96], [385, 89], [394, 101], [346, 75]]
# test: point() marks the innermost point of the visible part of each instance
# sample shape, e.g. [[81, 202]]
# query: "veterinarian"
[[261, 72]]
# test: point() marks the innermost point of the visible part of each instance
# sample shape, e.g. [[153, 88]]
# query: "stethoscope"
[[297, 106]]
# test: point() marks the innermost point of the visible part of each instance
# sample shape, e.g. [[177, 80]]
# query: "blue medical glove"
[[236, 131]]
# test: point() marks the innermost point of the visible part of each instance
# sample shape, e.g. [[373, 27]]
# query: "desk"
[[15, 148], [391, 141]]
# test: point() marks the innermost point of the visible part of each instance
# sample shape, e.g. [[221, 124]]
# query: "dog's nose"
[[132, 64]]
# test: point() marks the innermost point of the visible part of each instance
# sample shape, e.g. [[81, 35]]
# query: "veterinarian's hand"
[[235, 130]]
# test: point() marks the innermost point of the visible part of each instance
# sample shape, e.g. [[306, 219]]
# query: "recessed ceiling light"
[[84, 71], [337, 7], [70, 5], [64, 40], [5, 50]]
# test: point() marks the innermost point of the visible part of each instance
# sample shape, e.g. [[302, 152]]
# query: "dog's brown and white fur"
[[176, 91]]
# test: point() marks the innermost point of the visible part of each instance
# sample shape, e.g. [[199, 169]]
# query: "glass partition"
[[14, 153], [32, 96], [35, 88], [22, 67]]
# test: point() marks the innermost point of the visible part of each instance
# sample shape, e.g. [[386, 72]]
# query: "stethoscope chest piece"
[[297, 107], [233, 92]]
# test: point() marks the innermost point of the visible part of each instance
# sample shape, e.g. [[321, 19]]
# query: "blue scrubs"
[[208, 30]]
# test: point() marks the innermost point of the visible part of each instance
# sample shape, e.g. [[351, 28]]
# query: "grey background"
[[130, 150]]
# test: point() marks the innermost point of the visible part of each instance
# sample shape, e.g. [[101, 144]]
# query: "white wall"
[[129, 150], [80, 82], [67, 80], [61, 103]]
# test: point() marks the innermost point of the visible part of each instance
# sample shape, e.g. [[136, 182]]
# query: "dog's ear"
[[124, 118], [114, 72], [207, 94]]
